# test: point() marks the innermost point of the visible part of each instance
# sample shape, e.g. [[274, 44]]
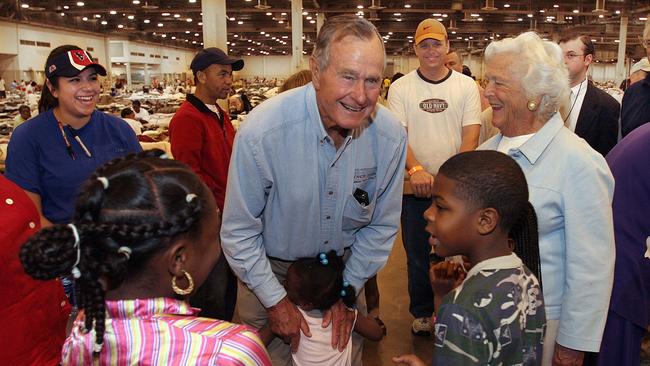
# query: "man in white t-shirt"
[[141, 114], [440, 109], [128, 115]]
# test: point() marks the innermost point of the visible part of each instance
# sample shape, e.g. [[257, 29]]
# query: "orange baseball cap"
[[430, 28]]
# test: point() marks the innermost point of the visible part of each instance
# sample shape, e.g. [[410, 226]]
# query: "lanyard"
[[68, 146]]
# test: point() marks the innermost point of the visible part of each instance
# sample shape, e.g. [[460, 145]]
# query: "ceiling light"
[[452, 32], [130, 17], [66, 7], [308, 18], [104, 22], [80, 3], [283, 14], [160, 24], [136, 2], [542, 11], [232, 19], [164, 36], [617, 12], [98, 16], [520, 19], [173, 37], [407, 6], [576, 11], [189, 20], [444, 15], [24, 6], [240, 22], [84, 19], [506, 5], [187, 32], [147, 21], [177, 15], [200, 23], [556, 6], [643, 18], [312, 21], [262, 32], [112, 12], [359, 6], [529, 15], [397, 14], [399, 19], [616, 41], [411, 37], [192, 1], [165, 14], [120, 26], [305, 13], [269, 14], [601, 16], [62, 14], [280, 21], [196, 34]]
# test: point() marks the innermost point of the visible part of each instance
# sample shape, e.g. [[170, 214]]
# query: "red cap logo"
[[79, 59]]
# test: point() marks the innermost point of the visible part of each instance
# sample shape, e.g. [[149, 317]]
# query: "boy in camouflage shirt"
[[493, 314]]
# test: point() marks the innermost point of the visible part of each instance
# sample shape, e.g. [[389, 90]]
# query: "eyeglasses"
[[571, 56]]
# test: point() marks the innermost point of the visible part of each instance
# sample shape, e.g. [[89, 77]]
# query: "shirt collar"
[[140, 308], [535, 146], [580, 87], [198, 103], [503, 262]]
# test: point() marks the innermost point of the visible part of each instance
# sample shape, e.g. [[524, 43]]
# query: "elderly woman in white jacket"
[[570, 186]]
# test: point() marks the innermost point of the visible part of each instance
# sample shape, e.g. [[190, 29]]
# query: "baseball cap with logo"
[[430, 28], [71, 63]]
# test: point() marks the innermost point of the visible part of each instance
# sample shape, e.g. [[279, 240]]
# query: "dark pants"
[[417, 247], [217, 296], [621, 344]]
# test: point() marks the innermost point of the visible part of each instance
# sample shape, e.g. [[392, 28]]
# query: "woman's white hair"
[[539, 65]]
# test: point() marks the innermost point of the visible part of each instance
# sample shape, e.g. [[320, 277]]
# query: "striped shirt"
[[163, 331]]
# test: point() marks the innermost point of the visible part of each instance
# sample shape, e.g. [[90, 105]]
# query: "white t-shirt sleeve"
[[472, 110], [396, 102]]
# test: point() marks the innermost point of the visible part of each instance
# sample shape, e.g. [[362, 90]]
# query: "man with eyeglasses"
[[635, 109], [441, 112], [591, 113]]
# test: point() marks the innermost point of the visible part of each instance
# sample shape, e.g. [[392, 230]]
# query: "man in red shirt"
[[201, 136]]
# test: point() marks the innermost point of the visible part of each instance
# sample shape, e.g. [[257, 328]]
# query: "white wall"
[[26, 61]]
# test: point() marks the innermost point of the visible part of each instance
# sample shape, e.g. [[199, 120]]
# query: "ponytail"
[[526, 238]]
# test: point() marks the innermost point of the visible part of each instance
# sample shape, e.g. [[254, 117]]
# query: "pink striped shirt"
[[163, 331]]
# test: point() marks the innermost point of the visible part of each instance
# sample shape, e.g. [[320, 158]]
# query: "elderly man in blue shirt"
[[314, 169]]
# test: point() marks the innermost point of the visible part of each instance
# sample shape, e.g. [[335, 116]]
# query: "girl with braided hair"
[[494, 314], [315, 284], [144, 236]]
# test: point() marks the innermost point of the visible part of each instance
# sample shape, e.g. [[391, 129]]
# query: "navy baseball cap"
[[213, 55], [71, 63]]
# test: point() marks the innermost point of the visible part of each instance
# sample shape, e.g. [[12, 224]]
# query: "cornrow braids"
[[138, 201], [526, 238]]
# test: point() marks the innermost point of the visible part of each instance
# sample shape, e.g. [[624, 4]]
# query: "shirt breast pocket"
[[356, 215]]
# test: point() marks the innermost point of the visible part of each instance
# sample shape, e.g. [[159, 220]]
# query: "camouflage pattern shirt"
[[495, 317]]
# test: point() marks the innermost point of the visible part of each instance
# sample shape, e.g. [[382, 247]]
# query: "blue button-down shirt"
[[571, 188], [290, 192]]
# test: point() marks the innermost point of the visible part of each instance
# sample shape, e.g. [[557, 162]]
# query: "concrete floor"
[[393, 305]]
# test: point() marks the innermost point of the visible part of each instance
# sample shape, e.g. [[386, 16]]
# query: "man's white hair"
[[539, 65]]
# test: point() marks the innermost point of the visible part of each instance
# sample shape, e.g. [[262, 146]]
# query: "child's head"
[[317, 282], [141, 221], [478, 193]]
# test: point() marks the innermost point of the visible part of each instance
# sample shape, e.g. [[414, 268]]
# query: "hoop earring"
[[181, 291], [532, 105]]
